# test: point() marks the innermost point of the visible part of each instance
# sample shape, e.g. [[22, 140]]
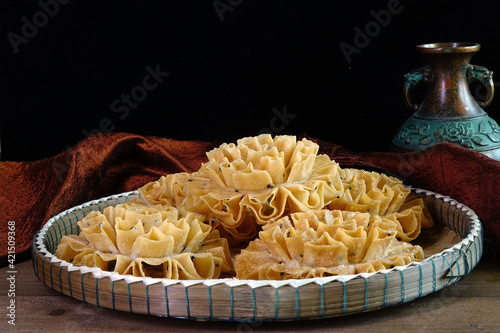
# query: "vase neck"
[[449, 62], [449, 95]]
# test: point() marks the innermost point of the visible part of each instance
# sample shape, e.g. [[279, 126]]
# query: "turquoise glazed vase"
[[449, 112]]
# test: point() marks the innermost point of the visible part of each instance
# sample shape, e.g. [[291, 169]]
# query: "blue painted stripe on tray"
[[83, 289], [166, 301], [441, 214], [129, 298], [464, 227], [232, 304], [475, 253], [70, 223], [76, 223], [297, 302], [147, 299], [322, 301], [467, 225], [188, 310], [433, 202], [276, 302], [344, 310], [97, 291], [49, 241], [449, 266], [64, 224], [69, 284], [60, 231], [420, 281], [464, 257], [460, 232], [366, 294], [210, 313], [113, 294], [253, 304], [433, 275], [386, 291], [402, 286], [56, 239]]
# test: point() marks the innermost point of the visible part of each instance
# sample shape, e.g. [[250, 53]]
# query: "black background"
[[228, 71]]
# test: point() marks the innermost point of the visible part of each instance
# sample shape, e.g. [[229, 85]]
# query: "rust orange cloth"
[[32, 192]]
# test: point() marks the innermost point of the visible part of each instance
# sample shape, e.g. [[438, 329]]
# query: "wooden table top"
[[472, 304]]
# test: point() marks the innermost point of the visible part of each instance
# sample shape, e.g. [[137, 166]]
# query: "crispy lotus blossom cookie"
[[370, 192], [412, 217], [153, 241], [154, 193], [379, 194], [254, 181], [324, 243]]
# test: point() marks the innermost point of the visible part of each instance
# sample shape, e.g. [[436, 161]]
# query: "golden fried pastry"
[[323, 243], [254, 181], [148, 241], [370, 192]]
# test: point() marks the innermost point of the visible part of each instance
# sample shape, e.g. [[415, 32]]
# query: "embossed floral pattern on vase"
[[459, 133], [474, 133]]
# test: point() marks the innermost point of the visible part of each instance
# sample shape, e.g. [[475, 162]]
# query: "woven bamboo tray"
[[452, 248]]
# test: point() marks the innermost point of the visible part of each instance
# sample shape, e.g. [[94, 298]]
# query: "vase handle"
[[413, 78], [485, 77]]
